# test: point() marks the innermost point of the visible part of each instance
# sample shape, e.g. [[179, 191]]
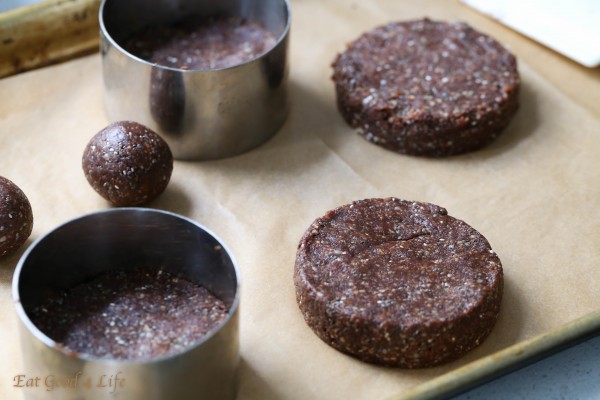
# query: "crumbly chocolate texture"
[[16, 217], [427, 88], [127, 163], [139, 314], [200, 43], [397, 283]]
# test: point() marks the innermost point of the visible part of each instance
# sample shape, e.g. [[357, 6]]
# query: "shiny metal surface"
[[201, 114], [120, 239]]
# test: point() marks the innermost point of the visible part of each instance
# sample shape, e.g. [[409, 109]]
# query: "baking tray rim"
[[505, 361]]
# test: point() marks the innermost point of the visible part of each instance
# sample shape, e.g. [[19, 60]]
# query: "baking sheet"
[[534, 194]]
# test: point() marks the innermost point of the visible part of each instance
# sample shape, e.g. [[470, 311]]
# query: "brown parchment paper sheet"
[[534, 193]]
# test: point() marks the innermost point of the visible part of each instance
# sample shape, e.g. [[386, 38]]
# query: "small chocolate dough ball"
[[16, 218], [127, 163]]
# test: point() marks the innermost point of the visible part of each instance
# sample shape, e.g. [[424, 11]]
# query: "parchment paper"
[[534, 194]]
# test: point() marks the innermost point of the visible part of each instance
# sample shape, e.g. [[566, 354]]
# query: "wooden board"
[[46, 33]]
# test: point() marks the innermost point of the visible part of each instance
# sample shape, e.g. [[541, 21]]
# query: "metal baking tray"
[[361, 17]]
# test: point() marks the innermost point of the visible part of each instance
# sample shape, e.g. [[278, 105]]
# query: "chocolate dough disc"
[[427, 88], [397, 283]]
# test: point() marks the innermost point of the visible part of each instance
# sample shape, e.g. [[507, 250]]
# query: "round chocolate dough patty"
[[397, 283], [427, 88], [16, 217], [127, 163]]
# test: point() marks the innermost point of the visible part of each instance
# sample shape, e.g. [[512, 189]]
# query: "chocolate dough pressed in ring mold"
[[397, 283], [427, 88]]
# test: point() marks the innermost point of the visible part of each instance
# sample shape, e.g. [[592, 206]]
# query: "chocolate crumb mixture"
[[200, 43], [397, 283], [137, 314], [16, 217]]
